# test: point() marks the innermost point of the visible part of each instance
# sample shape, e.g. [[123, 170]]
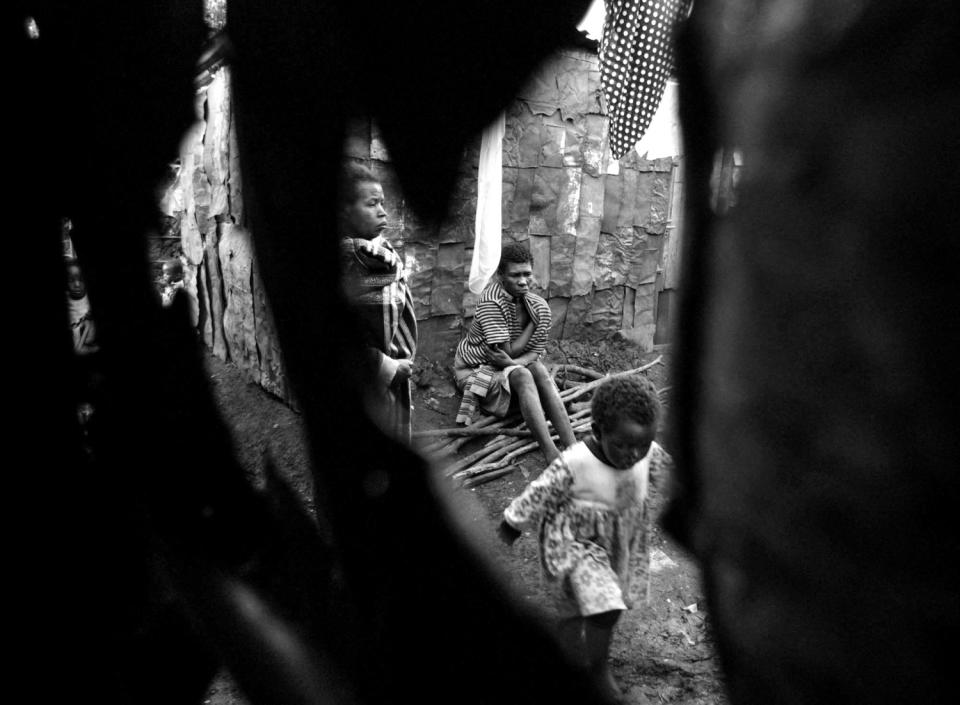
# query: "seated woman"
[[497, 365]]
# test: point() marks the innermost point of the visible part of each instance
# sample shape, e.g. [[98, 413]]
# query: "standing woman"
[[375, 282]]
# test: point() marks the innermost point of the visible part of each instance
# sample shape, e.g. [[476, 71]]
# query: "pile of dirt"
[[606, 357]]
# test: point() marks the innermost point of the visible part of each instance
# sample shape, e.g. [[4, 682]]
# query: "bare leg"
[[522, 384], [598, 633], [552, 403]]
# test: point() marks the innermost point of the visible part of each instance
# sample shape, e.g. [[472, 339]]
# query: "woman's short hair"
[[514, 253]]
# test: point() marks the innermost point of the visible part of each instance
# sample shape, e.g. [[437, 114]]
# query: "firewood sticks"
[[508, 439]]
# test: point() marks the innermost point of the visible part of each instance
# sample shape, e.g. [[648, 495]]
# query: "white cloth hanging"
[[486, 246], [662, 138]]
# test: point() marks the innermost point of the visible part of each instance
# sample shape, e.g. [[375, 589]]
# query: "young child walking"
[[594, 522]]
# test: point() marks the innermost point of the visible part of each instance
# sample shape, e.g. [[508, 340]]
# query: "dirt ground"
[[662, 650]]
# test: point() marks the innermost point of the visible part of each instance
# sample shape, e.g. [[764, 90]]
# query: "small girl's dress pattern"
[[594, 527]]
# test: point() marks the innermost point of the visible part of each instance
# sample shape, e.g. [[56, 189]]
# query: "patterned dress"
[[594, 527]]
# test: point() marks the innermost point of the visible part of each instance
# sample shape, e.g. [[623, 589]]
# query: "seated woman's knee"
[[539, 371], [522, 378]]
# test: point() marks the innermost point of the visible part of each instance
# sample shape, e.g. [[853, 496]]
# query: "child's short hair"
[[630, 395], [351, 175], [514, 253]]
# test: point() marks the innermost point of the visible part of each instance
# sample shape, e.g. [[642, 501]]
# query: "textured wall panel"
[[612, 194], [558, 311], [568, 201], [236, 266], [606, 313], [575, 325], [420, 260], [521, 128], [540, 249], [561, 264], [460, 223], [573, 85], [585, 255], [553, 141], [591, 196], [518, 213], [594, 143], [540, 92], [357, 140], [449, 280]]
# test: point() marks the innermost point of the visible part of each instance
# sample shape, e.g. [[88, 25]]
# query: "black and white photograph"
[[483, 352]]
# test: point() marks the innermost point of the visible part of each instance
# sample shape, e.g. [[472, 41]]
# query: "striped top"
[[495, 321]]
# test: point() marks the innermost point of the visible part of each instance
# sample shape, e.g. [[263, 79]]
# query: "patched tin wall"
[[598, 228]]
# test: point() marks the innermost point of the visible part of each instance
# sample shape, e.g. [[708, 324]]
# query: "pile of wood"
[[509, 438]]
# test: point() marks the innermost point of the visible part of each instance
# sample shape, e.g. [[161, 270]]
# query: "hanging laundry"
[[636, 58], [486, 247], [662, 138]]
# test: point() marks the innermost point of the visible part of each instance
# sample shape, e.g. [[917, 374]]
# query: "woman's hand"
[[402, 376], [499, 359], [404, 371]]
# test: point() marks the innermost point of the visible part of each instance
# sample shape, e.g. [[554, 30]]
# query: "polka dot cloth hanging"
[[636, 58]]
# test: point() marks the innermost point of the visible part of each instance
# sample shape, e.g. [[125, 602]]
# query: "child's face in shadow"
[[625, 443], [76, 289], [171, 274], [365, 217]]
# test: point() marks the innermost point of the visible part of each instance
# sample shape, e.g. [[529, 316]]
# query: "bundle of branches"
[[509, 438]]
